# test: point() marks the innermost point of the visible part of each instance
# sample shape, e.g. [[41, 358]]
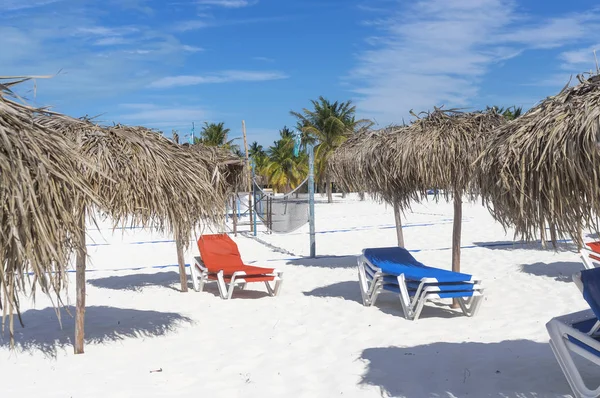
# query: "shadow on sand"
[[386, 302], [561, 271], [511, 368], [326, 262], [103, 324], [137, 282], [562, 246]]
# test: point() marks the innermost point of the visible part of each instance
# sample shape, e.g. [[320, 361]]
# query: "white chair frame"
[[371, 285], [200, 276]]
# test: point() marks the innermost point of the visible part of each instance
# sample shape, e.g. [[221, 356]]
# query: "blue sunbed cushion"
[[451, 294], [591, 289], [397, 260]]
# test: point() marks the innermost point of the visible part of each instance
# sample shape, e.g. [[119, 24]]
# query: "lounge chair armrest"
[[566, 329], [198, 261], [588, 251]]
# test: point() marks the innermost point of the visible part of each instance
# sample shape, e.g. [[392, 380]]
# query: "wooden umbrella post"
[[80, 287], [181, 262], [234, 213], [456, 233], [398, 218]]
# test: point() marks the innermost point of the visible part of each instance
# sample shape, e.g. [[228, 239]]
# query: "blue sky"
[[166, 64]]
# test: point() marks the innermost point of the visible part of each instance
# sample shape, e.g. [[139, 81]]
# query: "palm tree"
[[510, 113], [285, 171], [260, 159], [215, 134], [327, 126]]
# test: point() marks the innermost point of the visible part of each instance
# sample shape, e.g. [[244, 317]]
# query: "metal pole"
[[253, 215], [311, 199]]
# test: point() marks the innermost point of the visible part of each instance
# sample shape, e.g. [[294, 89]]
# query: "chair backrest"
[[591, 289], [595, 247], [219, 251]]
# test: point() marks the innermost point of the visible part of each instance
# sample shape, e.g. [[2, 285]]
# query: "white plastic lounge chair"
[[579, 333], [395, 270], [221, 261]]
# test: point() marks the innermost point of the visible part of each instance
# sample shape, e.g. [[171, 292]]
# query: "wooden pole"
[[234, 215], [398, 218], [181, 262], [456, 231], [80, 287], [553, 234], [543, 233], [249, 175]]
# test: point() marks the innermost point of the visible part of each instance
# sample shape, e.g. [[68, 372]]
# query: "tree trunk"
[[543, 233], [80, 287], [361, 195], [181, 261], [456, 231], [398, 218], [329, 188], [553, 234], [234, 214]]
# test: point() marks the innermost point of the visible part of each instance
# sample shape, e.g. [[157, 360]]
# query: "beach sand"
[[146, 339]]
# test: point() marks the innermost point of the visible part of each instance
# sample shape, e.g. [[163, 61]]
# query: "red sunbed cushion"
[[594, 246], [219, 252], [247, 278]]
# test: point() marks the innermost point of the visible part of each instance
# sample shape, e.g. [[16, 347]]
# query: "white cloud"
[[15, 5], [226, 3], [263, 59], [165, 117], [218, 77], [437, 52], [582, 58], [110, 41], [95, 60], [209, 22], [191, 49]]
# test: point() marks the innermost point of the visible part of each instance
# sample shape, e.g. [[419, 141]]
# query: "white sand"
[[316, 339]]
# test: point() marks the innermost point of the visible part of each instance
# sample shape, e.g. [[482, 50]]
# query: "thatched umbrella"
[[542, 168], [436, 151], [358, 163], [40, 184], [143, 179]]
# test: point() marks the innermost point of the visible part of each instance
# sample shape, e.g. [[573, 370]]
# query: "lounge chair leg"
[[223, 291], [408, 305], [365, 289], [565, 360], [470, 306], [274, 290]]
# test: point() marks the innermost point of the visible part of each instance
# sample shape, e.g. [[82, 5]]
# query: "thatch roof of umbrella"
[[40, 184], [231, 166], [543, 167], [145, 178], [362, 164], [436, 151]]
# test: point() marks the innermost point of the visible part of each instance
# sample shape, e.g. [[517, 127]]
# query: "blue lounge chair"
[[579, 333], [395, 270]]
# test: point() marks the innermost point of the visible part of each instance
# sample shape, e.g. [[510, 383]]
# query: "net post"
[[253, 215], [311, 199]]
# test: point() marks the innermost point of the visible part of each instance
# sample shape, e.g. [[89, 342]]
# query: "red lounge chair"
[[220, 261], [590, 254]]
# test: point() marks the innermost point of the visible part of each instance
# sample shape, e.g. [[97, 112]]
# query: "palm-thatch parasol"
[[144, 179], [40, 184], [436, 151], [542, 168], [358, 163]]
